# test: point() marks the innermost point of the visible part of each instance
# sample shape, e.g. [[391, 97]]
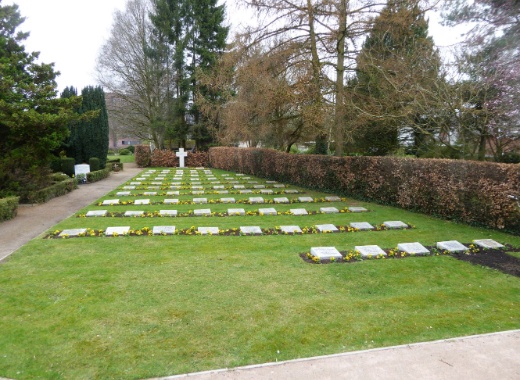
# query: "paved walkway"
[[33, 220], [489, 356]]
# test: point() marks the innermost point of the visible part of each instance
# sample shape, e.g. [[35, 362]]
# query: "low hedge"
[[98, 175], [8, 208], [468, 191], [53, 191]]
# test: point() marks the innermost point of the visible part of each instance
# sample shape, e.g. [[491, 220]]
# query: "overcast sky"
[[70, 33]]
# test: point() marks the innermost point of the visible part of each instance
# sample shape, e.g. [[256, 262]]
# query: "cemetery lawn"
[[141, 307], [124, 159]]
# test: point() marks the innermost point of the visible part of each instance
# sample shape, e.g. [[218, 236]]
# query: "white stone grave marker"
[[395, 224], [256, 200], [281, 200], [236, 211], [251, 230], [96, 213], [208, 230], [413, 248], [362, 226], [488, 243], [325, 253], [202, 212], [333, 199], [168, 212], [123, 193], [299, 211], [329, 210], [451, 246], [73, 232], [111, 202], [266, 191], [291, 229], [200, 200], [171, 201], [181, 154], [134, 213], [142, 202], [305, 199], [326, 228], [81, 169], [227, 200], [369, 250], [267, 211], [357, 209], [110, 231], [163, 230]]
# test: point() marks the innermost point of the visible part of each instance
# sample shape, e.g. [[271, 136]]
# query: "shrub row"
[[142, 155], [467, 191], [53, 191], [98, 175], [167, 158], [8, 208]]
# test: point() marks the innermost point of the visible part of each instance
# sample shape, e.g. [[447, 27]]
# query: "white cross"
[[181, 154]]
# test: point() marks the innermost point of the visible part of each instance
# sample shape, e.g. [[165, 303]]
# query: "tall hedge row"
[[467, 191]]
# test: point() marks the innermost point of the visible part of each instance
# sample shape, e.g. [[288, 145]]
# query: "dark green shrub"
[[8, 208], [56, 164], [67, 165], [510, 158], [95, 164], [131, 148], [124, 152], [98, 175]]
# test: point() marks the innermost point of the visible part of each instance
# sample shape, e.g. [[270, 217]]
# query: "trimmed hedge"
[[53, 191], [98, 175], [467, 191], [8, 208], [94, 163], [67, 166], [142, 155], [167, 158]]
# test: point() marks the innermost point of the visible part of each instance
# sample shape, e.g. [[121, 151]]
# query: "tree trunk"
[[340, 85]]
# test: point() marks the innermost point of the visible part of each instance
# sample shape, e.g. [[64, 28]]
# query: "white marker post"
[[181, 154]]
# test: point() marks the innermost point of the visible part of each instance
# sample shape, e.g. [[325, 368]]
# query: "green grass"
[[139, 307], [124, 159]]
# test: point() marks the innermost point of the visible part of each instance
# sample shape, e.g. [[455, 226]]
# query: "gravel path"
[[34, 220]]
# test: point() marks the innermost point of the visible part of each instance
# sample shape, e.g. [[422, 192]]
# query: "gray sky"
[[70, 33]]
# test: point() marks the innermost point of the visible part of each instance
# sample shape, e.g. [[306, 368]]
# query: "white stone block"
[[73, 232], [368, 251], [488, 243], [329, 210], [326, 253], [110, 231], [452, 246], [413, 248], [251, 230], [362, 226], [291, 229], [236, 211], [267, 211], [326, 228], [299, 211]]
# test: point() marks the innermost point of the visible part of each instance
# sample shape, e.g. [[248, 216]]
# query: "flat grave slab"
[[153, 188], [326, 253], [150, 193], [168, 212], [413, 248], [110, 231], [134, 213], [200, 200], [227, 200], [123, 193], [135, 183], [128, 187], [291, 229], [305, 199], [488, 243], [333, 199], [176, 187], [266, 191], [142, 202], [362, 225], [281, 200], [240, 175], [270, 182], [267, 211], [256, 200], [171, 201], [246, 191], [215, 182], [163, 230], [251, 230], [197, 188], [452, 246], [202, 212], [195, 182], [176, 192], [329, 210], [73, 232], [157, 183], [239, 187], [111, 202], [236, 211], [197, 192], [357, 209], [250, 182], [222, 192], [298, 211], [259, 186], [326, 227], [140, 179], [279, 186], [96, 213], [219, 187], [176, 183], [395, 224], [369, 250], [208, 230]]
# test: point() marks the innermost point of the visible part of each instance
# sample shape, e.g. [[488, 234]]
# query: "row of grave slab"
[[251, 200], [415, 248]]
